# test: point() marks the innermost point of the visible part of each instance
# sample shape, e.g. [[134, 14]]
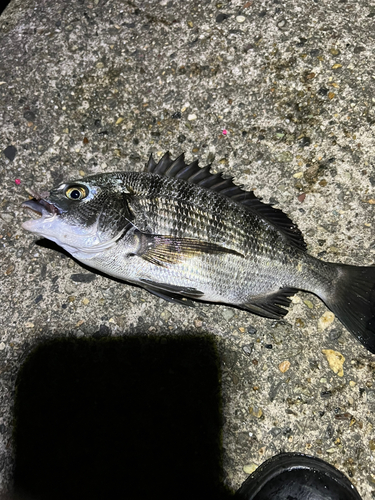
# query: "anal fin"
[[272, 305]]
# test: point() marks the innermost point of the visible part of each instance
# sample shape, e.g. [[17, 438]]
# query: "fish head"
[[82, 216]]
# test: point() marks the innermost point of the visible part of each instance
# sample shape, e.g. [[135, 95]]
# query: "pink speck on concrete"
[[18, 181]]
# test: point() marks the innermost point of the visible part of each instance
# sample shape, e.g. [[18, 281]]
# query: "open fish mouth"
[[40, 208]]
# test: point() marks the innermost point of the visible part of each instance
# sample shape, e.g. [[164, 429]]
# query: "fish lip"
[[41, 207]]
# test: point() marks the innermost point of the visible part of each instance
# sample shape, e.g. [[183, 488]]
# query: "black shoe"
[[295, 476]]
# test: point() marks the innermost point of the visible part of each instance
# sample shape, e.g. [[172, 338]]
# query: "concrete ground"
[[278, 94]]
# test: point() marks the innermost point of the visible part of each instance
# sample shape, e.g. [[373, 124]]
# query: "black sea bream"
[[181, 232]]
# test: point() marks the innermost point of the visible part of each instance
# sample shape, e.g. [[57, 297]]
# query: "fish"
[[185, 233]]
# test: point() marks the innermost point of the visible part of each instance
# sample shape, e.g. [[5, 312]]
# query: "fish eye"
[[76, 193]]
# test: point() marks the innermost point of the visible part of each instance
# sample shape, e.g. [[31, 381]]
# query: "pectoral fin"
[[163, 250]]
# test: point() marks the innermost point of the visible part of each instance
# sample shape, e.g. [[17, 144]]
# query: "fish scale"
[[183, 232]]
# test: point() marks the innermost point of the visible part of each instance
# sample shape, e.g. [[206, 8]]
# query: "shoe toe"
[[295, 476]]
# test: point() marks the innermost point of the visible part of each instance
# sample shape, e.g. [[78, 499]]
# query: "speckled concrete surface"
[[90, 87]]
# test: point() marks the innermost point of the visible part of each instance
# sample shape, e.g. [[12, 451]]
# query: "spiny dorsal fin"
[[203, 177]]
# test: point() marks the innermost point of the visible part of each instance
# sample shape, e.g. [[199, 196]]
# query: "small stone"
[[227, 314], [10, 269], [325, 320], [100, 65], [190, 24], [333, 249], [335, 360], [29, 324], [10, 152], [304, 141], [250, 468], [284, 157], [165, 315], [335, 52], [38, 299], [85, 301], [275, 431], [240, 19], [221, 17], [2, 346], [326, 394], [308, 303], [298, 175], [257, 412], [337, 66], [248, 349], [192, 117], [82, 173], [29, 116], [83, 277], [352, 383], [284, 366], [334, 334], [331, 95], [119, 120], [198, 323]]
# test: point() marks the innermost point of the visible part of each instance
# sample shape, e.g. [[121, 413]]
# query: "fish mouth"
[[40, 208]]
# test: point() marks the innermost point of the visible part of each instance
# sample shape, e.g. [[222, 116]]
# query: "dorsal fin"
[[203, 177]]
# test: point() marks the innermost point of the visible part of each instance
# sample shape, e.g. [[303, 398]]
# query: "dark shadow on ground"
[[132, 418]]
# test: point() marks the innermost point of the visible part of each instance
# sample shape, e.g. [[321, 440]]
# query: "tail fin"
[[352, 300]]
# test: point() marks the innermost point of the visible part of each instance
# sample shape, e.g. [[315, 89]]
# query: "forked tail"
[[352, 299]]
